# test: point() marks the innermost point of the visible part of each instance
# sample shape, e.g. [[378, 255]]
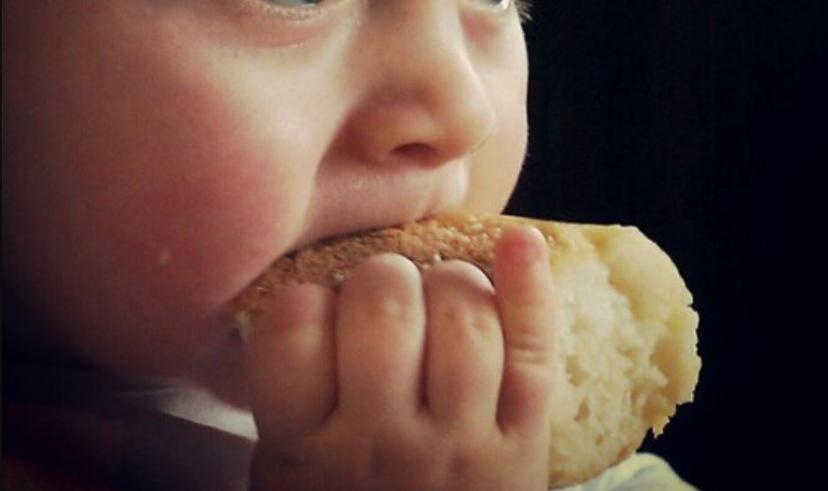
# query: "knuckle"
[[445, 314], [461, 463], [534, 384], [390, 309], [463, 317], [467, 435], [530, 349], [390, 452], [524, 306], [470, 446], [460, 297]]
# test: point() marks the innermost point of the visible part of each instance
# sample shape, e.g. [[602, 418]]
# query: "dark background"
[[691, 120]]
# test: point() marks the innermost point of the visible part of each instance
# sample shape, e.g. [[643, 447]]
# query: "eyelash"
[[523, 8]]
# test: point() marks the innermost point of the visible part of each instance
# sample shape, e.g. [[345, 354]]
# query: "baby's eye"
[[521, 6], [500, 4], [292, 3]]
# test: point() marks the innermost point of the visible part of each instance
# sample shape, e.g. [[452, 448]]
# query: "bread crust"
[[627, 338]]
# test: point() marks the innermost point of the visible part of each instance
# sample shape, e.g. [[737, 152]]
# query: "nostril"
[[419, 152]]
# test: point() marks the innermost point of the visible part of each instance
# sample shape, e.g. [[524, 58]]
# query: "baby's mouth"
[[379, 201], [409, 205]]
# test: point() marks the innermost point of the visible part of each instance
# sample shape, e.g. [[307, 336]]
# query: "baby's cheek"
[[145, 201], [213, 210], [138, 268], [497, 164]]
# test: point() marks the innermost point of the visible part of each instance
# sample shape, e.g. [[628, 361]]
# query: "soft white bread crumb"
[[627, 336]]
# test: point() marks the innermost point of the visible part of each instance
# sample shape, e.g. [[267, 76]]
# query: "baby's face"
[[158, 155]]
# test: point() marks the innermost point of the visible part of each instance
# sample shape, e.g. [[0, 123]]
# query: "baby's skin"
[[439, 381], [158, 155]]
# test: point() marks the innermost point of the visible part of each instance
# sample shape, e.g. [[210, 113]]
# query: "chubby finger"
[[464, 346], [379, 335], [290, 363], [525, 299]]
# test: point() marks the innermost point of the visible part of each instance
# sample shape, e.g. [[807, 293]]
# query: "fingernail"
[[539, 237], [528, 251], [537, 245]]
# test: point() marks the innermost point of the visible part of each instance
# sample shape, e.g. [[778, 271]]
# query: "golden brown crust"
[[451, 236], [627, 334]]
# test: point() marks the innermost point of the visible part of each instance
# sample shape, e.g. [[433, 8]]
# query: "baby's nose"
[[422, 97]]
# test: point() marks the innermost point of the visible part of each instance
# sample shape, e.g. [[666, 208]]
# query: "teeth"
[[244, 326]]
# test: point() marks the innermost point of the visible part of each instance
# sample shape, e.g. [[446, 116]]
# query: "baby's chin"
[[216, 364], [222, 371], [218, 368]]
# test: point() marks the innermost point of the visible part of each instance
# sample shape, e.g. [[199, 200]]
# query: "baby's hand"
[[408, 382]]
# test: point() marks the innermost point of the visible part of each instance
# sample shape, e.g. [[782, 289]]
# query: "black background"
[[691, 120]]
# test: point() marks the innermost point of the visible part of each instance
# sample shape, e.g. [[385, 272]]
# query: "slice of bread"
[[627, 336]]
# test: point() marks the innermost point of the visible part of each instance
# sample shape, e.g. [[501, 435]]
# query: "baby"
[[158, 155]]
